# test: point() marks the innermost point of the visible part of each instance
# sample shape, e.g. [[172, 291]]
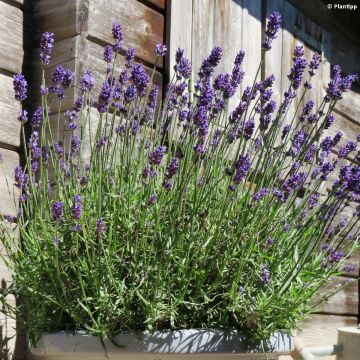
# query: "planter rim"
[[187, 341], [349, 329]]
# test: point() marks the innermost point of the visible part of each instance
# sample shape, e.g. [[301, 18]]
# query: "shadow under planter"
[[162, 345]]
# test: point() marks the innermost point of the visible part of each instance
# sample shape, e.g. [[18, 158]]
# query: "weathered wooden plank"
[[348, 128], [179, 16], [218, 23], [322, 330], [251, 40], [17, 3], [143, 27], [349, 106], [272, 62], [8, 193], [160, 4], [10, 126], [289, 42], [344, 302], [11, 38], [62, 17]]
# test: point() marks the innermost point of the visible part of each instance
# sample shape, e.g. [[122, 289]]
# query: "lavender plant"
[[180, 213]]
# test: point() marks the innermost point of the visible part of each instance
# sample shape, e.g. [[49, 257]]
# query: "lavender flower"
[[77, 207], [157, 155], [209, 63], [46, 44], [140, 78], [20, 87], [272, 28], [151, 200], [37, 117], [160, 49], [23, 116], [129, 57], [57, 211], [100, 227], [118, 37], [249, 127], [314, 63], [329, 120], [87, 82], [285, 131], [265, 275], [349, 147], [298, 68], [104, 97], [242, 166], [260, 194], [172, 168], [75, 144], [108, 53]]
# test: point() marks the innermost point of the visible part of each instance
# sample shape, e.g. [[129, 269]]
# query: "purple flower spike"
[[37, 117], [242, 167], [314, 63], [23, 116], [349, 147], [108, 53], [151, 200], [104, 97], [265, 275], [157, 155], [57, 211], [46, 44], [298, 68], [160, 49], [208, 65], [20, 87], [140, 78], [100, 227], [68, 78], [75, 145], [172, 168], [272, 28], [129, 57], [118, 37], [260, 194], [87, 82], [77, 207]]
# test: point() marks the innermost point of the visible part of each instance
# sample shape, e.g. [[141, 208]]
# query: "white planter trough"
[[197, 344]]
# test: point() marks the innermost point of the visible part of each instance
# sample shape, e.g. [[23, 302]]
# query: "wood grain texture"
[[349, 106], [220, 23], [344, 302], [322, 330], [143, 27], [62, 17], [8, 195], [251, 40], [160, 4], [273, 58], [10, 126], [11, 38], [179, 16]]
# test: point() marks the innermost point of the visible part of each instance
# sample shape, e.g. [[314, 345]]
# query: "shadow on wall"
[[302, 18]]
